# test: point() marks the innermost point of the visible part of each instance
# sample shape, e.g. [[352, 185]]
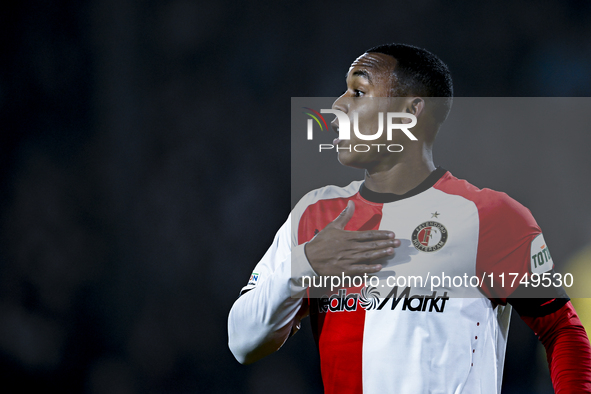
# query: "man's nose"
[[341, 103]]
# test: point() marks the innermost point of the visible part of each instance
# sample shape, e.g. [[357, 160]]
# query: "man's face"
[[370, 76]]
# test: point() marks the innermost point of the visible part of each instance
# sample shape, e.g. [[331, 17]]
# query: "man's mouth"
[[337, 130], [335, 127]]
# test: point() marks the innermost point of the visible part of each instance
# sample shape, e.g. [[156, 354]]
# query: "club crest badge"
[[429, 236]]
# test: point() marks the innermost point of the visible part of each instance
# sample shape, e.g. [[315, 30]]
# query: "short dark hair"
[[419, 72]]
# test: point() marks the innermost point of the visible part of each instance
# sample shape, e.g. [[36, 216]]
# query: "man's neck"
[[399, 178]]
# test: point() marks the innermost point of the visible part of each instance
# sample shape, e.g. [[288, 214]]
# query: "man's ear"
[[415, 106]]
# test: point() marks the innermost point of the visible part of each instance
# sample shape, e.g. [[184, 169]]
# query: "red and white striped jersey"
[[410, 337]]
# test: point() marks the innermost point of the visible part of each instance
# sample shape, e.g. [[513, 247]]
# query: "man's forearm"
[[262, 319], [567, 349]]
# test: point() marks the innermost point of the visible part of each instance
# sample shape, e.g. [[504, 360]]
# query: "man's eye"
[[358, 93]]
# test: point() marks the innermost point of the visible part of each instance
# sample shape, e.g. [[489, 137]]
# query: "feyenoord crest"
[[429, 236]]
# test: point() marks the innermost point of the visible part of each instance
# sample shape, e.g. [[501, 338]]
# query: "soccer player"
[[407, 218]]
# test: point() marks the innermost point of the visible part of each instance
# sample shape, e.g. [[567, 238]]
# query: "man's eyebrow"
[[361, 73]]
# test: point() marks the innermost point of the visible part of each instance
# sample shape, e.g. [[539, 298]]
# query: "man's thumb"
[[341, 221]]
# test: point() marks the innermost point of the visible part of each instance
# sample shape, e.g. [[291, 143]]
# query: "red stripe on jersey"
[[339, 335], [506, 230], [548, 302]]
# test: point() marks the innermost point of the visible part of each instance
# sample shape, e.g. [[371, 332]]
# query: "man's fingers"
[[371, 235], [341, 221], [360, 269], [364, 265], [376, 245], [371, 255], [335, 251], [365, 257]]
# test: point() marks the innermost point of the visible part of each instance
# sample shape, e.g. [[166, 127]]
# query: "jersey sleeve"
[[567, 349], [270, 305], [510, 248]]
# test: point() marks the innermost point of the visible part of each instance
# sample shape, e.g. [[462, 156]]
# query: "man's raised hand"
[[336, 251]]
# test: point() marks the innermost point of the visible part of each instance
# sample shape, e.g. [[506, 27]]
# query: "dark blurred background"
[[145, 168]]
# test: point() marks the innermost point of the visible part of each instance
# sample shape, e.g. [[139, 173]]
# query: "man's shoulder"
[[491, 204], [327, 193]]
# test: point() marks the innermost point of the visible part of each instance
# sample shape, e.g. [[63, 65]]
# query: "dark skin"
[[335, 251]]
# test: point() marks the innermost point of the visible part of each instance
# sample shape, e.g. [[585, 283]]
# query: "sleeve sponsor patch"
[[254, 277], [541, 261]]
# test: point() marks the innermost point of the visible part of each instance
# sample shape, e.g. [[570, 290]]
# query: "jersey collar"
[[381, 198]]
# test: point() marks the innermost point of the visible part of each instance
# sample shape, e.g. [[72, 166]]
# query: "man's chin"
[[348, 160]]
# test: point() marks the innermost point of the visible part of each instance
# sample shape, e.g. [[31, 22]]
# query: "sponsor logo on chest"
[[369, 299]]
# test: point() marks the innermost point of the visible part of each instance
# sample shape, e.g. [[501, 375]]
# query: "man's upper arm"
[[511, 248], [270, 304], [277, 253]]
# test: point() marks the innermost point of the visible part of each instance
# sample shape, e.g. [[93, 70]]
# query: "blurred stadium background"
[[135, 197]]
